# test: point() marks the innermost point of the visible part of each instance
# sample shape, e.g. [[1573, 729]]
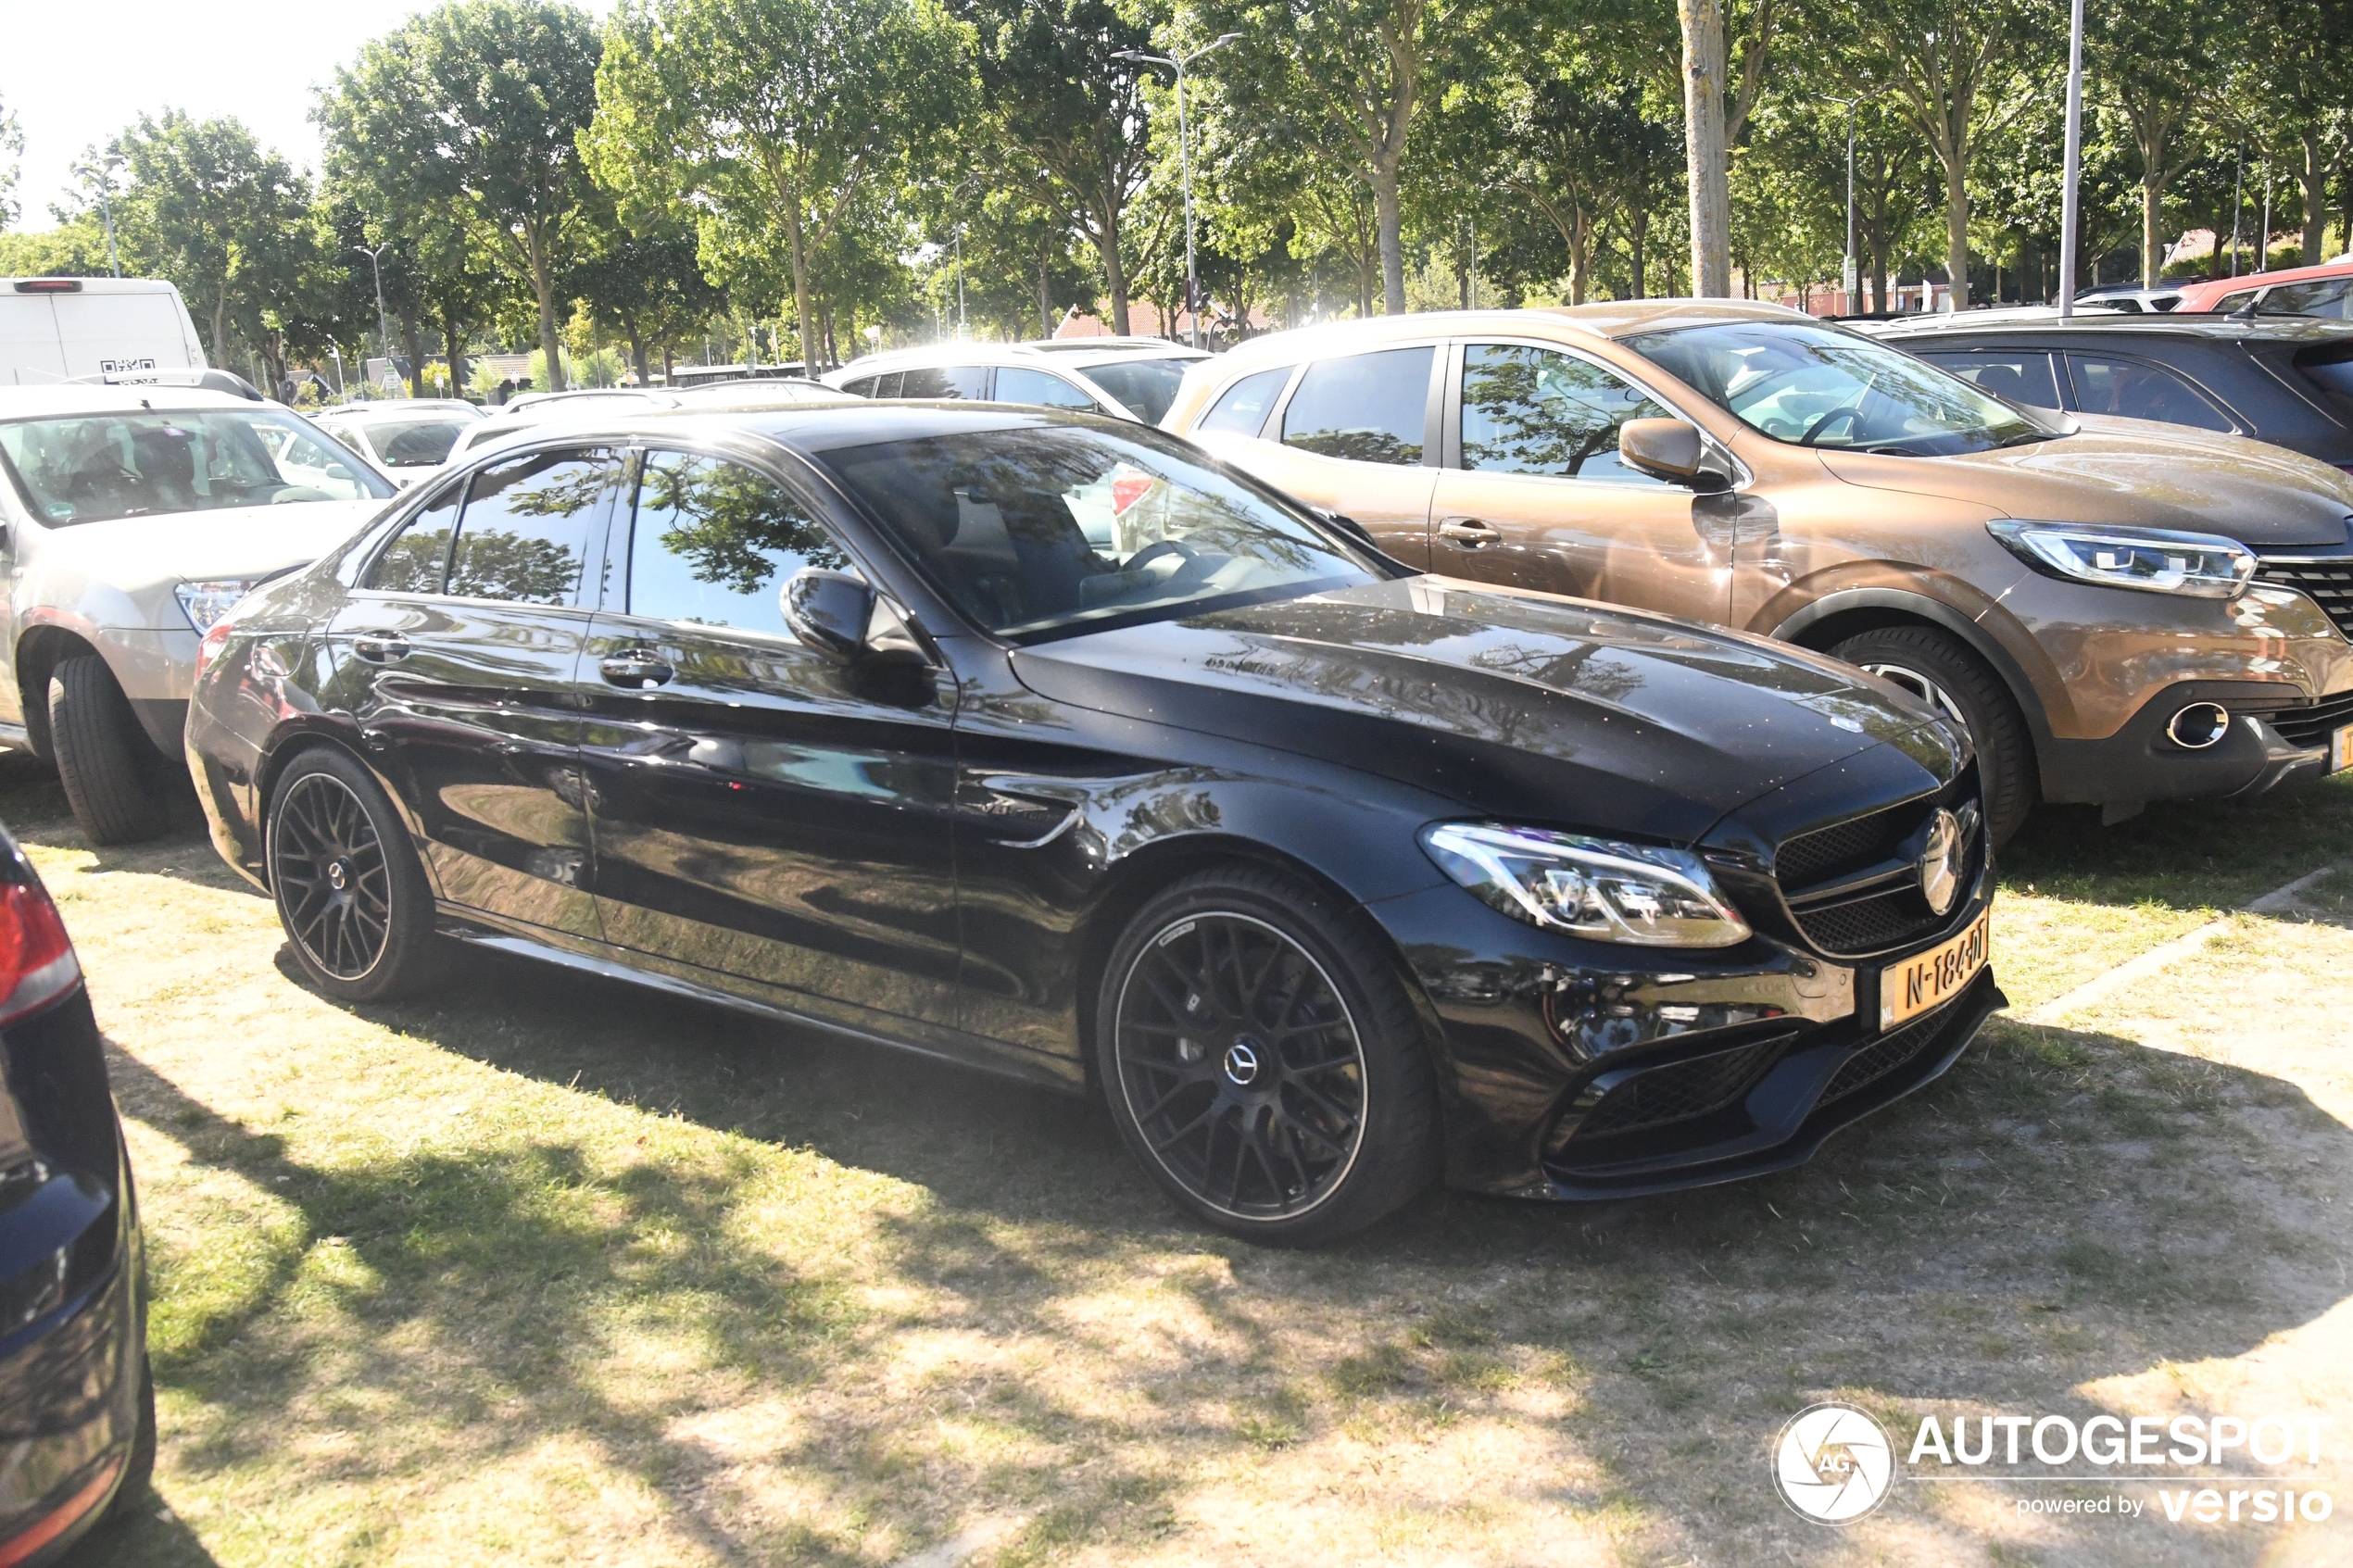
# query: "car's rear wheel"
[[1261, 1059], [1948, 677], [114, 777], [351, 893]]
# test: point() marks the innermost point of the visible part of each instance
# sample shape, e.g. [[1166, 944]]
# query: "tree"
[[772, 115], [1060, 97], [1705, 150], [1339, 81], [2155, 65], [11, 149], [476, 109], [644, 278], [2293, 97]]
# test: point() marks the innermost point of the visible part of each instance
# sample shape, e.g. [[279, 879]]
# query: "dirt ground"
[[553, 1272]]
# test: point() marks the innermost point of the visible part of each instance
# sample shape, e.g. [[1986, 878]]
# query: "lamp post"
[[384, 327], [962, 335], [2068, 200], [100, 175], [1179, 63]]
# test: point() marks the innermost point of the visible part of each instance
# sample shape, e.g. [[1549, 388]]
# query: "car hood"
[[191, 546], [2133, 472], [1513, 705]]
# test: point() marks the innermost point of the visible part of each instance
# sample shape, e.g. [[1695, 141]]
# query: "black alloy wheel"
[[350, 892], [1263, 1062]]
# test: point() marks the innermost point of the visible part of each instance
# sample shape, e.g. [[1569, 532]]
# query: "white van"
[[53, 330]]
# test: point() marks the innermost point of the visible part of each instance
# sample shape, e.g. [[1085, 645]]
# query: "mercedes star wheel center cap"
[[1940, 862], [337, 876], [1241, 1063]]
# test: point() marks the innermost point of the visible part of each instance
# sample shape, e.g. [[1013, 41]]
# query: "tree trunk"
[[1957, 226], [636, 348], [219, 343], [2152, 199], [413, 339], [1045, 299], [1581, 258], [1878, 277], [1637, 231], [800, 300], [1389, 213], [2313, 177], [453, 346], [543, 283], [1106, 238], [1711, 201]]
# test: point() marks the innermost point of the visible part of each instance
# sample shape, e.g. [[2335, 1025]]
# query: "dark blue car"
[[77, 1405]]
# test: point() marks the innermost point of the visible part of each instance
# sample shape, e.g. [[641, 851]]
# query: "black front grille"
[[1679, 1090], [1879, 919], [2330, 584], [1868, 925], [1882, 1056], [2311, 725]]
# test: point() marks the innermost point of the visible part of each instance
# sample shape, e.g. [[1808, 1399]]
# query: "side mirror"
[[829, 610], [1667, 449]]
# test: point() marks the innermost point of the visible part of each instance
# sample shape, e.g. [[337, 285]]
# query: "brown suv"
[[2118, 611]]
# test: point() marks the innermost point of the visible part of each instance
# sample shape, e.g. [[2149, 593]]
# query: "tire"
[[113, 774], [351, 893], [139, 1470], [1936, 668], [1243, 1013]]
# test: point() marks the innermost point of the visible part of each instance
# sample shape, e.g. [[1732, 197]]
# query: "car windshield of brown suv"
[[1819, 386]]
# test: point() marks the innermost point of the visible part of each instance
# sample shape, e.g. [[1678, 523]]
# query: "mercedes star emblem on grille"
[[1940, 861]]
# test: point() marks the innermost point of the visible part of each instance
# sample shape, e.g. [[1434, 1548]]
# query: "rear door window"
[[2140, 390], [530, 523], [1017, 384], [1540, 411], [1367, 408], [418, 558], [1144, 387], [2021, 377], [947, 381], [2322, 296], [1241, 408]]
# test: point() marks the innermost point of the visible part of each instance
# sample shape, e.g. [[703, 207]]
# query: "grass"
[[552, 1272]]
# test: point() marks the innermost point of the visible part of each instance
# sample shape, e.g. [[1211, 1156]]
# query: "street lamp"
[[2074, 159], [101, 174], [383, 328], [1178, 63]]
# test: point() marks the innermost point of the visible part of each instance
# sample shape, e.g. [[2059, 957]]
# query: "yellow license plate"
[[1922, 981], [2341, 749]]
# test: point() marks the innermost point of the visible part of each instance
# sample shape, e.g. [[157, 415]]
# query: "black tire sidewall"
[[411, 948], [2005, 747], [112, 773], [1396, 1152]]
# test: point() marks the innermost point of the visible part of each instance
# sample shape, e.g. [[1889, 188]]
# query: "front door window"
[[1541, 411], [1367, 408]]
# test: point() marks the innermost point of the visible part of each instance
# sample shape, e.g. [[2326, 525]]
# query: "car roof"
[[1076, 352], [820, 427], [2177, 323], [390, 408], [68, 399], [2214, 288], [1609, 319]]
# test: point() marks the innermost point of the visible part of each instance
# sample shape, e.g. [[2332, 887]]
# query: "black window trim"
[[596, 546]]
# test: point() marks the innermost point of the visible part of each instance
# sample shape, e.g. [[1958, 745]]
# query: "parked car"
[[2325, 289], [133, 519], [2131, 298], [2075, 590], [409, 437], [2286, 381], [1128, 378], [77, 1400], [742, 391], [55, 329], [1046, 743]]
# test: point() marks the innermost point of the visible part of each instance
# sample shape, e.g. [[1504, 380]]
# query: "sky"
[[76, 72]]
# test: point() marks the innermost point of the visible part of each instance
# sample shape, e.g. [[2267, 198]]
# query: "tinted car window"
[[2139, 392], [863, 386], [2021, 377], [528, 526], [1051, 530], [419, 555], [1019, 385], [1367, 408], [423, 442], [946, 381], [714, 541], [2322, 296], [1242, 410], [1535, 410], [2330, 370], [1144, 387]]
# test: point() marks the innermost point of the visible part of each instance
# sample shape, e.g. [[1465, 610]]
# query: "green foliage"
[[11, 149]]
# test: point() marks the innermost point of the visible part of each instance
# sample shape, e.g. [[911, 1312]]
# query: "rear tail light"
[[36, 956], [215, 638]]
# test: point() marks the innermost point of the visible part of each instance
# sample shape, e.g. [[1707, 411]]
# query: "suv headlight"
[[204, 603], [1593, 888], [2155, 560]]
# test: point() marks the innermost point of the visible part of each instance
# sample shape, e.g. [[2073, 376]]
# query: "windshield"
[[1145, 387], [1819, 386], [95, 467], [1039, 532], [419, 442]]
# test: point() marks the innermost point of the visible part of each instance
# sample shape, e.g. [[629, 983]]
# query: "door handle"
[[1468, 533], [642, 668], [387, 649]]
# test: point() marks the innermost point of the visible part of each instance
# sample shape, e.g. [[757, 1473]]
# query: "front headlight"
[[2156, 561], [204, 603], [1593, 888]]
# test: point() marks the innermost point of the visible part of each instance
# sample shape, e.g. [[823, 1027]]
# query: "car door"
[[1535, 494], [459, 653], [761, 811], [2140, 389], [1354, 437]]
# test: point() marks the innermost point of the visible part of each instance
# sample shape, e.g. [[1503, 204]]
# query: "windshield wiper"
[[2025, 438]]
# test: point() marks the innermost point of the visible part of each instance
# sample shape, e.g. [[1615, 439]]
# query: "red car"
[[2326, 290]]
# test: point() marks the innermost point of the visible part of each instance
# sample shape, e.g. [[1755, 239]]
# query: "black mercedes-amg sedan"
[[77, 1407], [1047, 744]]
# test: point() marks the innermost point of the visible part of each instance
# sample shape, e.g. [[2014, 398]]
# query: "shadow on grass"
[[2184, 855], [2063, 1207]]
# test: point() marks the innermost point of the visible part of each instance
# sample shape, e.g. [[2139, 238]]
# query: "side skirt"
[[476, 930]]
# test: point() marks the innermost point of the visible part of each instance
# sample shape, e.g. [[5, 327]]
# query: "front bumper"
[[2276, 735], [1578, 1071]]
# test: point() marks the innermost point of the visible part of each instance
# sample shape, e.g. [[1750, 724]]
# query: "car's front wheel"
[[114, 777], [351, 892], [1261, 1059], [1934, 667]]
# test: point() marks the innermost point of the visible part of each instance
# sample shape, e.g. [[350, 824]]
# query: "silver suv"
[[1128, 378], [131, 519]]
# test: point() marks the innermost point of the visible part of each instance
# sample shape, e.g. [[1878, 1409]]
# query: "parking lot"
[[556, 1272]]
